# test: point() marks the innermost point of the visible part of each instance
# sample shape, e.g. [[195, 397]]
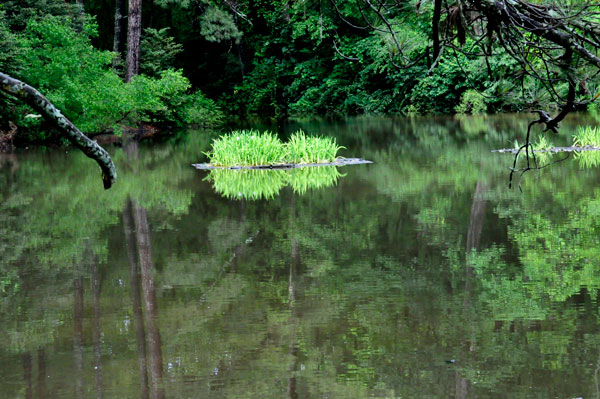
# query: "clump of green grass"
[[246, 147], [587, 136], [304, 149], [251, 148]]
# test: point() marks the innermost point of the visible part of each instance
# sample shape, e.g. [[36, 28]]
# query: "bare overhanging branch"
[[41, 104]]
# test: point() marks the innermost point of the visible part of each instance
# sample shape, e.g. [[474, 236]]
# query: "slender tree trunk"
[[119, 30], [134, 31], [435, 27], [38, 102]]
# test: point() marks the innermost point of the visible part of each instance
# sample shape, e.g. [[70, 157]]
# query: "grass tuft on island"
[[253, 148]]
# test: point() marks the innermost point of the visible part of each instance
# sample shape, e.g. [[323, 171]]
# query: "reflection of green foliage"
[[248, 184], [542, 144], [401, 289], [303, 179], [588, 159], [258, 184]]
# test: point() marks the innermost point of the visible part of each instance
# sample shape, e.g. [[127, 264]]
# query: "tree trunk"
[[38, 102], [118, 38], [134, 31]]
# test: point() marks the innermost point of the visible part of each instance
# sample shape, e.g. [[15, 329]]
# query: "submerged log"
[[552, 149], [337, 162], [41, 104]]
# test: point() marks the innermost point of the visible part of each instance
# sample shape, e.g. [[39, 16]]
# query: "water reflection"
[[266, 184], [420, 275]]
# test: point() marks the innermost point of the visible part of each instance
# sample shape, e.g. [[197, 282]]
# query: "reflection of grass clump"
[[541, 144], [247, 184], [587, 136], [258, 184], [306, 178], [250, 147]]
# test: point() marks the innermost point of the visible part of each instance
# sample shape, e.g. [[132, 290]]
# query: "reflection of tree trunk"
[[131, 149], [292, 392], [41, 374], [293, 345], [97, 327], [149, 294], [138, 321], [462, 387], [473, 243], [78, 332], [27, 375], [477, 216]]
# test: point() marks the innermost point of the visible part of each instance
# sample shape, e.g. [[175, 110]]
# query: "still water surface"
[[419, 276]]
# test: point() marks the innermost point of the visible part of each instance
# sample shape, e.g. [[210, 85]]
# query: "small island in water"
[[251, 149]]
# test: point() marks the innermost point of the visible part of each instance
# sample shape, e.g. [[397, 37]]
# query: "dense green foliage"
[[50, 49], [270, 58]]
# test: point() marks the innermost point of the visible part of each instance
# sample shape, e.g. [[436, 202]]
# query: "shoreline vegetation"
[[202, 62]]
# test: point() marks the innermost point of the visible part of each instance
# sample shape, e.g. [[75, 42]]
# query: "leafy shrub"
[[471, 102], [79, 80]]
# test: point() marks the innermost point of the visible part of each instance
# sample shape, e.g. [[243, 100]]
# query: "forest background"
[[203, 62]]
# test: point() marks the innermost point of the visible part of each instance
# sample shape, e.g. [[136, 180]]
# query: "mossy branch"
[[41, 104]]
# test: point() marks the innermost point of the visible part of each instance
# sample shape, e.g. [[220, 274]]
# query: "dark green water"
[[419, 276]]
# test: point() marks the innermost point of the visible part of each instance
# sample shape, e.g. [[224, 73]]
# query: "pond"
[[420, 275]]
